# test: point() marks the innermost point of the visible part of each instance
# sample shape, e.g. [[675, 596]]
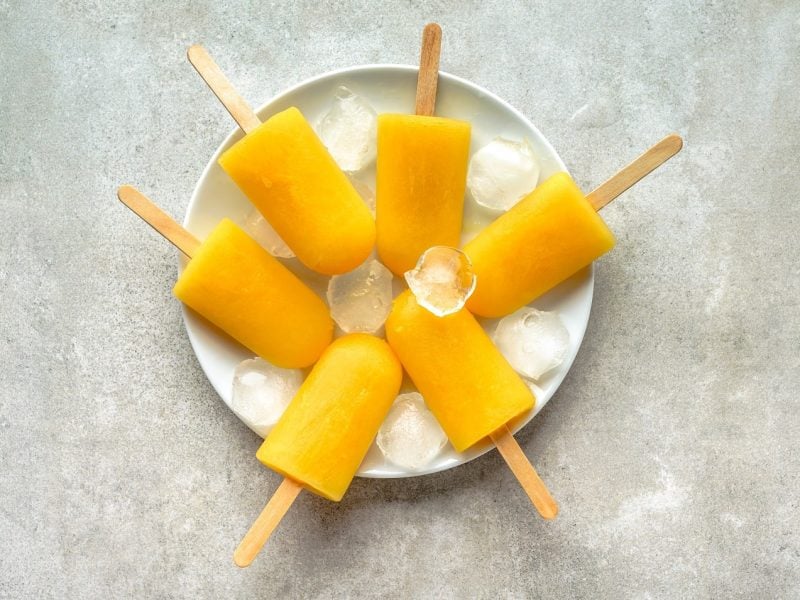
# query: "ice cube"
[[442, 281], [410, 437], [361, 299], [502, 173], [533, 341], [366, 193], [262, 391], [350, 130], [261, 231]]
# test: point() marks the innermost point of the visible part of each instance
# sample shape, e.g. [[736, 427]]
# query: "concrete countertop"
[[672, 445]]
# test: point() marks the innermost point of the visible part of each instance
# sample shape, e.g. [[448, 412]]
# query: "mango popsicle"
[[467, 384], [288, 174], [420, 181], [421, 172], [327, 429], [239, 287], [323, 436], [545, 238], [549, 236]]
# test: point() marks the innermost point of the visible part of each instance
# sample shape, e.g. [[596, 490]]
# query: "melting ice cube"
[[442, 281], [361, 299], [350, 130], [262, 391], [262, 232], [533, 341], [366, 193], [410, 437], [502, 173]]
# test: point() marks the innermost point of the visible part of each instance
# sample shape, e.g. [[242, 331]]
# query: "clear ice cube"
[[533, 341], [366, 193], [261, 231], [442, 281], [350, 130], [410, 436], [262, 391], [502, 173], [361, 299]]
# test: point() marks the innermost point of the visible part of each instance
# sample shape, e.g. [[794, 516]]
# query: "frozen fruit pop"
[[548, 236], [327, 429], [287, 173], [421, 172], [467, 383], [321, 439], [239, 287]]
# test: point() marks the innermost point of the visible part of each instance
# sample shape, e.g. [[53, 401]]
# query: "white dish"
[[389, 88]]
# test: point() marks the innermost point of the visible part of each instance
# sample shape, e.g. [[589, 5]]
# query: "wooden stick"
[[215, 79], [158, 219], [428, 78], [524, 472], [267, 521], [637, 170]]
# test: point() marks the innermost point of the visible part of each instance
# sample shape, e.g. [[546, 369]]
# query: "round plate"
[[389, 88]]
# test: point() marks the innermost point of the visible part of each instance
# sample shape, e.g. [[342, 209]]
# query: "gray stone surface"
[[671, 446]]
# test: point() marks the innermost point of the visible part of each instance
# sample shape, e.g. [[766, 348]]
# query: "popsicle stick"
[[523, 470], [215, 79], [428, 78], [637, 170], [158, 219], [267, 521]]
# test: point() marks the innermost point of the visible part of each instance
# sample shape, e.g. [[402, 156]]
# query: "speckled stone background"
[[672, 445]]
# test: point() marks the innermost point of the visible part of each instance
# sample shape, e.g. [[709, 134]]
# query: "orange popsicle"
[[465, 380], [239, 287], [421, 172], [420, 181], [288, 174], [545, 238], [468, 385], [327, 429], [549, 236]]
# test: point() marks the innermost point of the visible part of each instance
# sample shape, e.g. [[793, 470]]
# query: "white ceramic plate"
[[389, 88]]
